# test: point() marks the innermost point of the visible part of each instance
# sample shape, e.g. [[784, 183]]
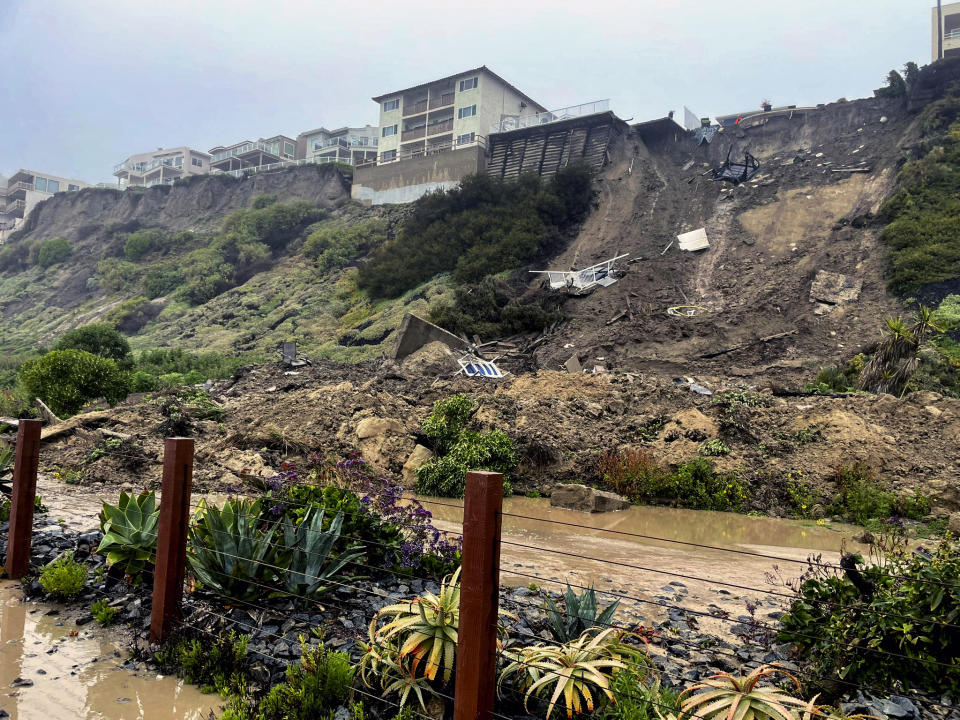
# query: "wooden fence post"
[[25, 464], [171, 537], [479, 597]]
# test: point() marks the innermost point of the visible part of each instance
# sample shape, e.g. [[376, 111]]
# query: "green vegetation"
[[307, 556], [333, 248], [99, 339], [906, 605], [833, 379], [579, 614], [731, 696], [63, 578], [217, 664], [896, 86], [480, 228], [53, 251], [896, 358], [714, 448], [143, 242], [102, 613], [66, 380], [861, 497], [634, 473], [314, 687], [460, 450], [130, 533], [639, 700]]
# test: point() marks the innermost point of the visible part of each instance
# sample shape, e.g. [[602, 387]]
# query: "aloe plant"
[[130, 532], [576, 671], [228, 553], [579, 615], [308, 546], [729, 696]]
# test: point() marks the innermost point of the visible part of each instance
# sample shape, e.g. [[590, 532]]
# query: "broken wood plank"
[[619, 316], [46, 413], [114, 434], [850, 170], [741, 346], [669, 245]]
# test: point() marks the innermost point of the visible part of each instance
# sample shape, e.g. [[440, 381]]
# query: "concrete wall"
[[416, 332], [948, 9], [497, 101], [408, 180]]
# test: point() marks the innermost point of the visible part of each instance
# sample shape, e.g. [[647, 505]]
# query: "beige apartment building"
[[949, 30], [23, 190], [453, 112], [350, 145], [161, 167], [249, 154]]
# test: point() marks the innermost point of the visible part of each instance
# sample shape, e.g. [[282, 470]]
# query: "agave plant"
[[579, 615], [576, 671], [729, 696], [812, 711], [228, 553], [308, 546], [130, 532]]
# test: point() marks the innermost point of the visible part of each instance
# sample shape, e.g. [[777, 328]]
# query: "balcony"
[[16, 205], [440, 127], [574, 111], [442, 101], [142, 168], [414, 108], [414, 134], [18, 186]]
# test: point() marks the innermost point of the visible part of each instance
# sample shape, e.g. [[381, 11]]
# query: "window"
[[178, 161], [73, 188], [391, 105], [196, 162], [468, 84], [467, 112], [389, 130], [40, 184], [466, 139], [288, 149], [388, 155], [53, 186]]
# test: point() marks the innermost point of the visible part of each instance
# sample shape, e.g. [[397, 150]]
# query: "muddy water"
[[536, 550], [78, 677]]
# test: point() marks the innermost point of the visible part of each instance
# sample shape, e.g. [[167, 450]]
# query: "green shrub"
[[53, 251], [314, 687], [102, 613], [98, 338], [479, 228], [116, 275], [141, 381], [714, 448], [131, 315], [217, 664], [448, 419], [911, 611], [862, 497], [63, 578], [579, 614], [896, 86], [66, 380], [142, 242], [160, 281], [640, 700], [130, 533], [446, 476], [339, 247]]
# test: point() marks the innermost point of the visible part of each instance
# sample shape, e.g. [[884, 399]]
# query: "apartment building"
[[351, 145], [249, 154], [452, 112], [161, 167], [947, 30], [24, 189]]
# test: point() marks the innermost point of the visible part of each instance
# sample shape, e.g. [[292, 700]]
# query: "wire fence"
[[501, 665]]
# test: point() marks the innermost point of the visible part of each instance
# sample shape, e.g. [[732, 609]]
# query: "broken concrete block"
[[573, 365], [834, 288], [587, 499]]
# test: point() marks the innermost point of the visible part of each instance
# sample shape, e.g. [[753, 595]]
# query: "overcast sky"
[[85, 83]]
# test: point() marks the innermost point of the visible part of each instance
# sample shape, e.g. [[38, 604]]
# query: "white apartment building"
[[449, 113], [23, 190], [249, 154], [161, 167], [351, 145]]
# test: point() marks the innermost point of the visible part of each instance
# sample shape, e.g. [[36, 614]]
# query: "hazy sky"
[[85, 83]]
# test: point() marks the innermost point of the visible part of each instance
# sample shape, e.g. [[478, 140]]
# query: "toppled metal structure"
[[583, 282], [693, 240], [734, 172], [472, 366]]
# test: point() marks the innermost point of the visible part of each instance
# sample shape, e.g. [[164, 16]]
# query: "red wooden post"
[[171, 537], [25, 465], [479, 597]]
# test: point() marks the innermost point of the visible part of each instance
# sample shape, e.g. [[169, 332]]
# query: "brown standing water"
[[78, 677]]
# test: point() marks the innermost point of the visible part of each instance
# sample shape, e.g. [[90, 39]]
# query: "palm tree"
[[897, 356]]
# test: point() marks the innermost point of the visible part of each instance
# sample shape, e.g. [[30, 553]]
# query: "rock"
[[420, 456], [817, 511], [587, 499], [834, 288], [953, 524], [375, 427]]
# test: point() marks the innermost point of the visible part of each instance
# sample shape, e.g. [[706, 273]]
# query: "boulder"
[[374, 427], [587, 499], [420, 456], [953, 524]]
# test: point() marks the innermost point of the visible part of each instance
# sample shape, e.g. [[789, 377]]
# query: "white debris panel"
[[581, 281], [693, 240]]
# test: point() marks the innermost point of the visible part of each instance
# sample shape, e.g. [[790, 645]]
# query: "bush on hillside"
[[114, 274], [66, 380], [98, 338], [143, 242], [896, 86], [53, 251], [162, 280], [131, 315], [339, 247], [480, 228]]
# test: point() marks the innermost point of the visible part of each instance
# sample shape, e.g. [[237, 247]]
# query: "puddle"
[[78, 677], [639, 568]]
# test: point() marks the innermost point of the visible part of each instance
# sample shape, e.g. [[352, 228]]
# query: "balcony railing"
[[285, 163], [543, 118], [440, 127], [271, 148], [430, 149], [414, 134], [414, 108], [18, 186], [141, 168], [15, 205], [442, 101], [952, 34]]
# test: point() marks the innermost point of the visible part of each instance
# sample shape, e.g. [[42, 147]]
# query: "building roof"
[[482, 68], [337, 131]]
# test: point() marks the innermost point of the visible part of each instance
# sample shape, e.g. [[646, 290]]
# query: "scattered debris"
[[705, 134], [472, 366], [573, 365], [694, 240], [737, 173], [858, 169], [669, 245], [583, 282], [834, 288], [415, 333], [686, 311], [289, 356], [693, 387], [741, 346]]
